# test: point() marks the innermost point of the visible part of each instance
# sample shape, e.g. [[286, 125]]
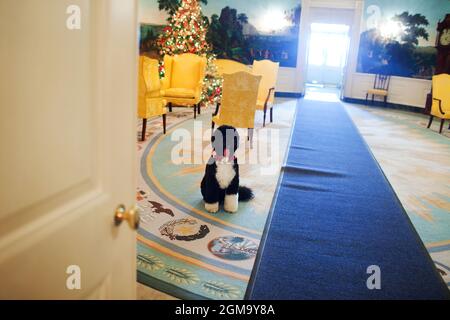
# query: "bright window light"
[[329, 28], [391, 29], [273, 20], [328, 45]]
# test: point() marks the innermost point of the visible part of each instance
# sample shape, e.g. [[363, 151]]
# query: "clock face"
[[445, 37]]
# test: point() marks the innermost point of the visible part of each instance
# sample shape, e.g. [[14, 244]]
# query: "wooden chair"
[[441, 99], [238, 105], [266, 93], [183, 82], [380, 88], [150, 101]]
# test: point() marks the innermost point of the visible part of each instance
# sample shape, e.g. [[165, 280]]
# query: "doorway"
[[327, 56]]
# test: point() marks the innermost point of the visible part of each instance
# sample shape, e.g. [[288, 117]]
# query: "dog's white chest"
[[225, 174]]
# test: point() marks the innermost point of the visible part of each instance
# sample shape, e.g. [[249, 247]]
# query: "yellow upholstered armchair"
[[238, 105], [266, 93], [150, 101], [183, 82], [230, 66], [441, 99]]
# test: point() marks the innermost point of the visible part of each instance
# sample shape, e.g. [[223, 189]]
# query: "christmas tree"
[[186, 33]]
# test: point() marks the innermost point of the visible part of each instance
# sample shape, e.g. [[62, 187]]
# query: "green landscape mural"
[[237, 29], [399, 36]]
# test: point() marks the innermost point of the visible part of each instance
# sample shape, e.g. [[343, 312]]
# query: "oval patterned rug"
[[183, 250]]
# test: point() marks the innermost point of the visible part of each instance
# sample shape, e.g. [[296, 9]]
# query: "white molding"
[[424, 81], [333, 4]]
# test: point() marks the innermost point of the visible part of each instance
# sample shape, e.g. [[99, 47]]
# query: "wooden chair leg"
[[170, 106], [195, 112], [265, 113], [442, 125], [373, 99], [385, 101], [430, 122], [199, 111], [271, 115], [250, 136], [144, 129], [213, 125], [164, 123], [367, 99]]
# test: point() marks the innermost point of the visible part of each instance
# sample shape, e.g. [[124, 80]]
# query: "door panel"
[[328, 49], [67, 134]]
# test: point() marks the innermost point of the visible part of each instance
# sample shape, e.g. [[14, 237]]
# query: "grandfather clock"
[[443, 53]]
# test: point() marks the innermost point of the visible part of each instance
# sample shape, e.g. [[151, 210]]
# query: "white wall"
[[287, 80], [406, 91]]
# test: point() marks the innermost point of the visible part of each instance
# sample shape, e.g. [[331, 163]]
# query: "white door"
[[328, 48], [67, 157]]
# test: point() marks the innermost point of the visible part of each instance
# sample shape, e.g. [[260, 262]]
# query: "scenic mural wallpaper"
[[240, 30], [398, 37]]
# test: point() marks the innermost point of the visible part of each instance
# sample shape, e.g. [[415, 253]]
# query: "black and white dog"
[[221, 181]]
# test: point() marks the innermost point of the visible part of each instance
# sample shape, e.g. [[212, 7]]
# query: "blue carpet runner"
[[335, 215]]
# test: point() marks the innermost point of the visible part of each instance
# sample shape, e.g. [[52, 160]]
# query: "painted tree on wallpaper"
[[233, 36], [226, 35], [399, 44], [238, 30]]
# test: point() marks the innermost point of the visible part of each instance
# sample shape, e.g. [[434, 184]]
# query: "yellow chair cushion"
[[179, 93], [378, 92]]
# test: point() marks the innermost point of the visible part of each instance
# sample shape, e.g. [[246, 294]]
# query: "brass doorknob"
[[131, 216]]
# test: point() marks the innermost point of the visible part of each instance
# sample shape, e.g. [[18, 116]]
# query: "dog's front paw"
[[212, 207], [231, 203]]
